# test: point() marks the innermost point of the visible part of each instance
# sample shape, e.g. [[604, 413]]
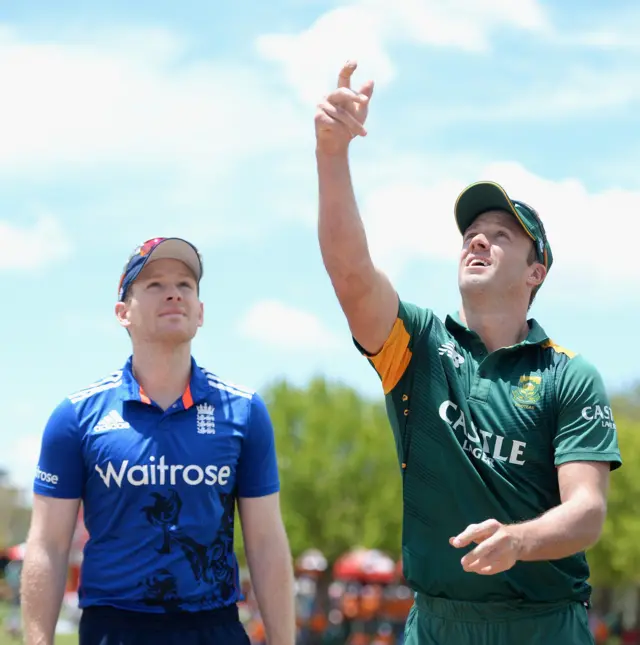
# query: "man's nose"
[[480, 242], [173, 293]]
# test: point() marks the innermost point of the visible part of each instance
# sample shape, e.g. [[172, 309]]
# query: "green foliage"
[[15, 514], [340, 473], [628, 404], [341, 484], [615, 560], [340, 476]]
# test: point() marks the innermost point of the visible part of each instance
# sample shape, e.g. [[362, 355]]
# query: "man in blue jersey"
[[159, 452]]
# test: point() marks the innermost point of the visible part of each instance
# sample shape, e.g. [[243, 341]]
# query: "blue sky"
[[122, 122]]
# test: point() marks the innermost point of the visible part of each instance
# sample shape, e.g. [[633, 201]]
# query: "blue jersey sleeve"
[[60, 471], [258, 465]]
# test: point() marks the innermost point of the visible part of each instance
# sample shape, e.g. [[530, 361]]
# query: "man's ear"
[[122, 314], [537, 274]]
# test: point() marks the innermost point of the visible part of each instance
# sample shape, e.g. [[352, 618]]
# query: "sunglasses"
[[541, 249]]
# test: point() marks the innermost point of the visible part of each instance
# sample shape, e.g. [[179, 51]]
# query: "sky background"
[[123, 121]]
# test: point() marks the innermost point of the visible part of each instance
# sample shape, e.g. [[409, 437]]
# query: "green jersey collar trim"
[[536, 334]]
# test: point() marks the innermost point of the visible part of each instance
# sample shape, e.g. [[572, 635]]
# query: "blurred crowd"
[[361, 600]]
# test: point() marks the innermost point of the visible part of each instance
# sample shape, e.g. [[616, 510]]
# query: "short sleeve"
[[395, 355], [586, 428], [60, 470], [258, 465]]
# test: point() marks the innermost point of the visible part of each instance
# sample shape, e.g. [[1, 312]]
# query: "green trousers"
[[433, 621]]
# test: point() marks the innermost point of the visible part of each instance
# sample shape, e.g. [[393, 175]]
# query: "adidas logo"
[[450, 350], [205, 420], [113, 421]]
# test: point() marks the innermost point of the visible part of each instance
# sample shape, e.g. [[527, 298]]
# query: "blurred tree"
[[342, 487], [627, 404], [14, 513], [340, 476], [615, 559]]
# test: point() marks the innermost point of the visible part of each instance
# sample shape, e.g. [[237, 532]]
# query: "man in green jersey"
[[505, 439]]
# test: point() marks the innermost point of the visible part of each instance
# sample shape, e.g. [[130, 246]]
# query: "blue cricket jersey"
[[159, 487]]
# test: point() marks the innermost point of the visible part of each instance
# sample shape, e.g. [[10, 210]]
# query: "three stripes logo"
[[108, 383], [112, 421], [450, 350]]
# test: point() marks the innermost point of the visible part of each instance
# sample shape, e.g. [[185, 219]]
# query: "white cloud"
[[594, 235], [32, 247], [131, 98], [407, 200], [278, 325], [578, 91], [604, 39], [605, 28], [365, 29]]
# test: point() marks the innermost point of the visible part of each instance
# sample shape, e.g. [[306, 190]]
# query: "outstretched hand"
[[341, 116], [497, 550]]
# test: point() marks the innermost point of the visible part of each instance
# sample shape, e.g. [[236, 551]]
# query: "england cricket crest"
[[205, 420]]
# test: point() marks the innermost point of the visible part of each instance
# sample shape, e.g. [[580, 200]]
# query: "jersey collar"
[[196, 390], [536, 335]]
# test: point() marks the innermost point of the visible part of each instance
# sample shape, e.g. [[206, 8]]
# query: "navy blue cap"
[[157, 248]]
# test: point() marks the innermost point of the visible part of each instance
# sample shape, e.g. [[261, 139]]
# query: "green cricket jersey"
[[479, 435]]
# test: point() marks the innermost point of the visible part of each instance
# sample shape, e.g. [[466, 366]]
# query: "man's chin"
[[177, 336], [472, 283]]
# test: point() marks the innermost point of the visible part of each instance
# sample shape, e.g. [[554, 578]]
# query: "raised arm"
[[366, 295]]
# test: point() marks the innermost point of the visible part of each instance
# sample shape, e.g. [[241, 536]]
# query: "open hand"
[[497, 550], [342, 114]]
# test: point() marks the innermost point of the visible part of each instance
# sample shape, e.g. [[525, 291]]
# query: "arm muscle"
[[44, 573], [270, 566], [366, 295]]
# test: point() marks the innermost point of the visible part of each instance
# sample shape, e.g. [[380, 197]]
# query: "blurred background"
[[122, 122]]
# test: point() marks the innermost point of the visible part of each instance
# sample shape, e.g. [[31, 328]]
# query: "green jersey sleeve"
[[586, 430], [394, 357]]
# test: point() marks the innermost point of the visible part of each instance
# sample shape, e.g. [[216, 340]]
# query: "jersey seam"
[[250, 415], [261, 491], [557, 377], [80, 440], [594, 453], [46, 492]]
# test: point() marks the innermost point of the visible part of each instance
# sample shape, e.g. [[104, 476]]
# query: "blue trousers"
[[111, 626]]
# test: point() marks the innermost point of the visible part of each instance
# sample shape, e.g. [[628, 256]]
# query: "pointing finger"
[[344, 79], [475, 533]]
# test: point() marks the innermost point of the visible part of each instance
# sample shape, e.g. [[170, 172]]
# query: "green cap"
[[486, 196]]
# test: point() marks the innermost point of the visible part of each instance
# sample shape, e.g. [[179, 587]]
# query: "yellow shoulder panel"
[[557, 348], [392, 360]]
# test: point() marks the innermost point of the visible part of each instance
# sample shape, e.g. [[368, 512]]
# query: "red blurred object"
[[80, 537], [16, 552], [631, 637], [365, 565]]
